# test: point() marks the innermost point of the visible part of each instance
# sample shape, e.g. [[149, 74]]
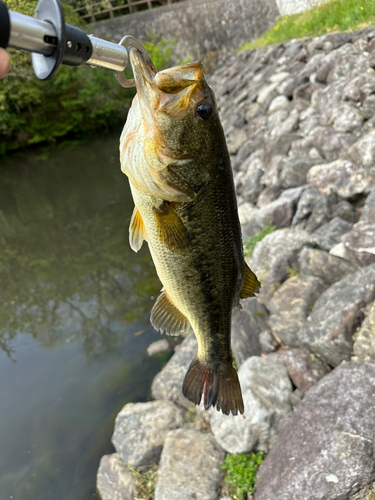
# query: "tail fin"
[[220, 388]]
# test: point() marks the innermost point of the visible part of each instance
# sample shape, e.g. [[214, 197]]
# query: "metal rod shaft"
[[34, 35]]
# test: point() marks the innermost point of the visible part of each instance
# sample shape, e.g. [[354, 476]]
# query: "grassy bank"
[[335, 15]]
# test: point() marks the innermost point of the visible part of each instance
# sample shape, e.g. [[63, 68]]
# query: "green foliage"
[[335, 15], [160, 52], [145, 483], [292, 272], [241, 472], [250, 243], [77, 101]]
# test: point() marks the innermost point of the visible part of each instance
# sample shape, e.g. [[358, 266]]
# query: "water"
[[74, 318]]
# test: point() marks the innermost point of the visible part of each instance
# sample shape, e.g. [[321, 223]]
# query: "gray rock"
[[303, 370], [296, 398], [286, 126], [295, 170], [114, 481], [277, 117], [247, 324], [360, 243], [366, 493], [328, 268], [326, 450], [279, 103], [337, 314], [271, 177], [268, 195], [251, 228], [167, 384], [140, 430], [265, 92], [362, 152], [251, 187], [359, 88], [346, 118], [265, 389], [361, 182], [275, 244], [290, 306], [190, 467], [364, 338], [247, 212], [339, 250], [328, 235], [268, 342], [368, 107], [326, 177], [281, 211], [278, 273], [368, 212], [158, 346]]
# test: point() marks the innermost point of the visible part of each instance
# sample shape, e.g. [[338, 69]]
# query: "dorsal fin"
[[251, 284], [165, 316], [171, 230], [136, 231]]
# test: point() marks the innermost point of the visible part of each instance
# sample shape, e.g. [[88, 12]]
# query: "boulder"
[[278, 273], [327, 177], [328, 268], [247, 324], [360, 243], [302, 368], [364, 338], [337, 314], [266, 389], [294, 171], [140, 430], [190, 467], [273, 245], [114, 481], [328, 235], [326, 451], [290, 306], [281, 211], [167, 384], [362, 152]]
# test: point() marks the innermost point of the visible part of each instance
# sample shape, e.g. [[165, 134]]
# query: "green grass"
[[241, 472], [145, 483], [335, 15], [292, 272], [250, 243]]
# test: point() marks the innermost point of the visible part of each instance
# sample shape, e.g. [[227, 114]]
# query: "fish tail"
[[219, 387]]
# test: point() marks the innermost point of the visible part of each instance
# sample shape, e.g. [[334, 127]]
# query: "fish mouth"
[[158, 89]]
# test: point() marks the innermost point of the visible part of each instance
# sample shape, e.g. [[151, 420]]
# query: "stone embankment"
[[300, 125]]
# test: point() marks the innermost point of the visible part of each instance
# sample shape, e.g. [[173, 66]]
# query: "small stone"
[[268, 195], [326, 177], [369, 107], [158, 347], [268, 342], [296, 397], [362, 152], [114, 481], [167, 384], [339, 250], [265, 92], [279, 77], [247, 212], [364, 338], [190, 467], [346, 118], [140, 430], [266, 389], [280, 102]]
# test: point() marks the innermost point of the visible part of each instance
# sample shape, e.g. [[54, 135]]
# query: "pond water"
[[74, 318]]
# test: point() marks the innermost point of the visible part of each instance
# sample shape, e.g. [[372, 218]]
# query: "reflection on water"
[[72, 296]]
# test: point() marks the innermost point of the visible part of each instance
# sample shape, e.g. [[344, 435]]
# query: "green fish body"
[[174, 152]]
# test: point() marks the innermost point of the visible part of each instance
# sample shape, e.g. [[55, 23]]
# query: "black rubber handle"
[[4, 25]]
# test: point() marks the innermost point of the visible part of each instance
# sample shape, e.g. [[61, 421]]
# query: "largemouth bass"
[[174, 153]]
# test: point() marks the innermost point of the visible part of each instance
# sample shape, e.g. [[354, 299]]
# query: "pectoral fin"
[[251, 284], [136, 231], [171, 230], [165, 316]]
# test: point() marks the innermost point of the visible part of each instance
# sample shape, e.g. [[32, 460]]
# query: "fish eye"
[[204, 110]]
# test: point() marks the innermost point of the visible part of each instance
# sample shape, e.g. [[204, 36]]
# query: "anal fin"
[[136, 231], [251, 284], [165, 316], [220, 387], [171, 230]]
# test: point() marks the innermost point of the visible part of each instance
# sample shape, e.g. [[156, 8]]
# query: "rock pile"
[[300, 125]]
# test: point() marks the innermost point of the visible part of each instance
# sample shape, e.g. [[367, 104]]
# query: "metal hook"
[[129, 42]]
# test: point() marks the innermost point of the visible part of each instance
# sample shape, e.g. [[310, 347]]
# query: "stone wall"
[[296, 6], [200, 26]]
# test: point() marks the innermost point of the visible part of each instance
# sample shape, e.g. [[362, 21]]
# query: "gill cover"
[[147, 157]]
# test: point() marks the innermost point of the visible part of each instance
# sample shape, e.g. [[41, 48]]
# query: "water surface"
[[74, 318]]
